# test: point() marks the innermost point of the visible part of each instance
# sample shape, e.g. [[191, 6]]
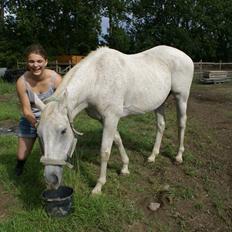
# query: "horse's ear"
[[39, 104]]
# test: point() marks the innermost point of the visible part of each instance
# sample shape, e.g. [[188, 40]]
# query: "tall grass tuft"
[[9, 107], [6, 87]]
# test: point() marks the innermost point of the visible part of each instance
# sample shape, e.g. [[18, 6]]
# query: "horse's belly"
[[145, 99]]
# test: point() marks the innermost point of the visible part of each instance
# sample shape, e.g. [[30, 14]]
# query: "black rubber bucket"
[[58, 203]]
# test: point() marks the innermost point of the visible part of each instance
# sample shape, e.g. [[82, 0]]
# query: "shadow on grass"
[[169, 152], [86, 159], [90, 144], [30, 184], [87, 153]]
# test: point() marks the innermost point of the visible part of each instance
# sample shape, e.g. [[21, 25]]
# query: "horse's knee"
[[161, 126], [182, 121], [117, 140], [105, 156]]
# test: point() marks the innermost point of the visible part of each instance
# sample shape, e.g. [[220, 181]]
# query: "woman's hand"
[[31, 118]]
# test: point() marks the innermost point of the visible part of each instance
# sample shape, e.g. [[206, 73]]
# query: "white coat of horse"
[[113, 85]]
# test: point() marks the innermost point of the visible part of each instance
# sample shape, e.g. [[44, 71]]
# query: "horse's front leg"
[[109, 130]]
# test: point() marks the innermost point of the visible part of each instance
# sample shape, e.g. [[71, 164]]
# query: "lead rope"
[[76, 161]]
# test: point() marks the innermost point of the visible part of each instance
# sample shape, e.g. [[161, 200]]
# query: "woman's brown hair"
[[36, 49]]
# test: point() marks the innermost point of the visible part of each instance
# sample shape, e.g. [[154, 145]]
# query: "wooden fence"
[[199, 67], [61, 68]]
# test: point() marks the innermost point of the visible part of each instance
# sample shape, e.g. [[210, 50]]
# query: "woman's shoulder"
[[54, 77], [20, 83], [21, 78], [51, 73]]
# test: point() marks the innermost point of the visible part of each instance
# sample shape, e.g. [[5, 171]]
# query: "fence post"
[[70, 64], [201, 72], [17, 64], [57, 67], [220, 65]]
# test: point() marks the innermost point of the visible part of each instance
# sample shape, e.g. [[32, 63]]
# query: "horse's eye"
[[63, 131]]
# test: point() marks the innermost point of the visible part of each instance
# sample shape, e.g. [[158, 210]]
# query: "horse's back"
[[164, 60], [180, 64], [134, 83], [139, 82], [176, 61]]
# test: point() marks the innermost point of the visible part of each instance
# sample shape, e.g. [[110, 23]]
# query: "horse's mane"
[[70, 74]]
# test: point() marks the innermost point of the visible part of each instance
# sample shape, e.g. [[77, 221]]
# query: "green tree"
[[161, 22], [60, 26], [117, 36], [202, 28], [212, 29]]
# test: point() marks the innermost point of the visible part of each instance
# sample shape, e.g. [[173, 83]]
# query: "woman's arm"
[[24, 100]]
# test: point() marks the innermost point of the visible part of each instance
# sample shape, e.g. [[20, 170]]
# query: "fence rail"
[[199, 67], [212, 66], [61, 68]]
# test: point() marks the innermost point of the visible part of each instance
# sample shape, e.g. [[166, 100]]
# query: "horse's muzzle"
[[53, 176]]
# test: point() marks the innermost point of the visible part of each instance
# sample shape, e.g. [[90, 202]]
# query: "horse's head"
[[57, 137]]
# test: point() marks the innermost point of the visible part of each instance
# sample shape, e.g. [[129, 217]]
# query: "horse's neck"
[[75, 88], [65, 82]]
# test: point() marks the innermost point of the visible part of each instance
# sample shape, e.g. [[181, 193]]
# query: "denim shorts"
[[25, 129]]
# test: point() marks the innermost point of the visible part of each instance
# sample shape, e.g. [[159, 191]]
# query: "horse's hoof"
[[151, 159], [178, 161], [97, 190], [95, 193], [124, 173]]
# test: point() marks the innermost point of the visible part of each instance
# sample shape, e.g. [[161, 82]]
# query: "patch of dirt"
[[136, 227], [204, 202], [8, 127], [209, 97], [8, 124], [208, 138], [4, 98], [5, 202]]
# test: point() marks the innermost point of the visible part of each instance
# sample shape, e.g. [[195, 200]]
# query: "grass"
[[9, 113], [101, 213], [6, 87], [9, 106], [109, 212], [123, 204]]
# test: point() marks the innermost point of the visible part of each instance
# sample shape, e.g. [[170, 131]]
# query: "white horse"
[[113, 85]]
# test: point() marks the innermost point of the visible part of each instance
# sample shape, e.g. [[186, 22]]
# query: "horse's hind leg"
[[160, 117], [125, 159], [181, 105]]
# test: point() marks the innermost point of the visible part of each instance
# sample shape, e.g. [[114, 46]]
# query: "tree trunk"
[[110, 25], [2, 10]]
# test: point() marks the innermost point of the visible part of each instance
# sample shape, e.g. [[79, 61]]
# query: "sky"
[[104, 24]]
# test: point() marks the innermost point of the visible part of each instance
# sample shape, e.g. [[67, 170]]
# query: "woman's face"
[[36, 64]]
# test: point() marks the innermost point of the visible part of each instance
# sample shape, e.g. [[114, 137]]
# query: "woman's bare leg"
[[25, 146]]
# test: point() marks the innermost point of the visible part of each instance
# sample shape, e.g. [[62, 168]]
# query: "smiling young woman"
[[39, 80]]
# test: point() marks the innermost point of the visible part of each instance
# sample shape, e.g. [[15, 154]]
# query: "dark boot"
[[19, 167]]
